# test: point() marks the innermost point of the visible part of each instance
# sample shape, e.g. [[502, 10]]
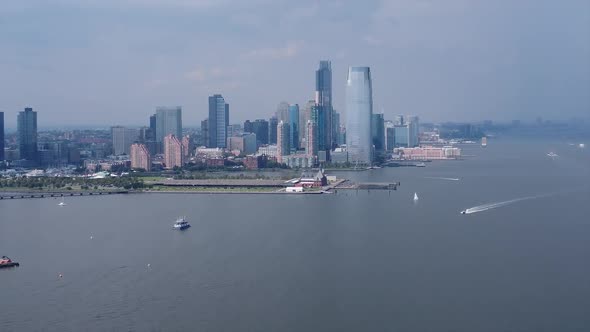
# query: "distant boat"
[[181, 224], [582, 145], [62, 203], [415, 197], [552, 155], [420, 165], [484, 142]]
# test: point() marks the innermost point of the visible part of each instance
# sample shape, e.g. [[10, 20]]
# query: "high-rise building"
[[294, 126], [304, 116], [319, 118], [248, 126], [205, 132], [260, 128], [413, 124], [323, 99], [283, 140], [311, 143], [2, 136], [389, 135], [378, 132], [218, 122], [168, 121], [359, 111], [140, 157], [282, 113], [173, 154], [122, 138], [272, 130], [27, 134], [335, 129], [186, 147]]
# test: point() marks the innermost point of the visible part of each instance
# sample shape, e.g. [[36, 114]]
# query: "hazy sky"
[[113, 61]]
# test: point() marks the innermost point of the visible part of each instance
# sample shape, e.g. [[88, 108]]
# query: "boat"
[[420, 165], [415, 197], [62, 203], [7, 262], [484, 142], [552, 154], [181, 224], [464, 212]]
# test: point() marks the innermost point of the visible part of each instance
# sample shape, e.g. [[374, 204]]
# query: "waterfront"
[[366, 261]]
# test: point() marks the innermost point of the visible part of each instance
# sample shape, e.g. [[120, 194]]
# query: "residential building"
[[294, 126], [173, 154], [205, 133], [218, 121], [187, 146], [311, 143], [2, 136], [282, 113], [140, 157], [27, 135], [359, 111]]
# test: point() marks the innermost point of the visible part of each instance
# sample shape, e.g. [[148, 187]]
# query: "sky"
[[112, 62]]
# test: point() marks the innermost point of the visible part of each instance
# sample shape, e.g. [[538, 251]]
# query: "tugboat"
[[181, 224], [7, 262]]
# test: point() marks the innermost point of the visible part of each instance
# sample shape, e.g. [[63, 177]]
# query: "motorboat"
[[464, 212], [420, 165], [7, 262], [415, 197], [62, 203], [181, 224]]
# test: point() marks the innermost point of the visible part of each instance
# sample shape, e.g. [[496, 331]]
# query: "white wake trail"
[[441, 178], [490, 206]]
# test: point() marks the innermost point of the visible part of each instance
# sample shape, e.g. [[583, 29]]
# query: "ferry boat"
[[181, 224], [7, 262]]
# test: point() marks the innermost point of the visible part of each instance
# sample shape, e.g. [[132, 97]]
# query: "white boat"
[[62, 203], [552, 154], [181, 224], [415, 197], [484, 142], [464, 212]]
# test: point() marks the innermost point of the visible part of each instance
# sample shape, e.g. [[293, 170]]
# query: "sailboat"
[[62, 203], [415, 197]]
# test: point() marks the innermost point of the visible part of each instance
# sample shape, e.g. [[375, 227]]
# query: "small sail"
[[415, 196]]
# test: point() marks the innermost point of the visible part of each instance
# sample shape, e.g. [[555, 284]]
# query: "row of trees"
[[69, 183]]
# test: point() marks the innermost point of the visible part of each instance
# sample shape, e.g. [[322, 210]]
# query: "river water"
[[351, 261]]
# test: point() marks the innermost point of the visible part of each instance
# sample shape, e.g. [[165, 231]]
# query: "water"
[[347, 262]]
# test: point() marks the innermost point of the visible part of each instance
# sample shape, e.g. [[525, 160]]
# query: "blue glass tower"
[[359, 113], [294, 126]]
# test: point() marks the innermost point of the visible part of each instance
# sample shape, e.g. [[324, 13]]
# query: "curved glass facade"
[[359, 110]]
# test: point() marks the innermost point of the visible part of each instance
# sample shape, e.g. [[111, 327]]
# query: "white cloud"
[[291, 49]]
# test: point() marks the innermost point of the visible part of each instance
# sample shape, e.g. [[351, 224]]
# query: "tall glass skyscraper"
[[359, 112], [272, 130], [218, 121], [323, 99], [1, 136], [294, 126], [168, 121], [27, 134]]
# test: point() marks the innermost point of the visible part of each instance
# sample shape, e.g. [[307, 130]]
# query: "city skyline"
[[454, 60]]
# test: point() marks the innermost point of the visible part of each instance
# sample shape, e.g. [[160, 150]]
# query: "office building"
[[205, 132], [389, 136], [140, 157], [258, 127], [272, 130], [294, 126], [283, 140], [378, 132], [2, 136], [336, 129], [27, 135], [173, 154], [168, 121], [218, 122], [359, 112], [122, 139], [323, 99]]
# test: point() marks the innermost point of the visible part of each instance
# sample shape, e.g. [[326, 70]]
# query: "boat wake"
[[441, 178], [489, 206]]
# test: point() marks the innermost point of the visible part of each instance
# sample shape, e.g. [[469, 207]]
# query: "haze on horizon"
[[113, 61]]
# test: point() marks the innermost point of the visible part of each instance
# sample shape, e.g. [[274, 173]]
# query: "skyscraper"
[[294, 126], [283, 140], [282, 113], [122, 138], [311, 143], [272, 130], [258, 127], [205, 132], [173, 154], [378, 132], [1, 136], [168, 121], [335, 129], [218, 121], [140, 157], [27, 134], [359, 111], [323, 99]]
